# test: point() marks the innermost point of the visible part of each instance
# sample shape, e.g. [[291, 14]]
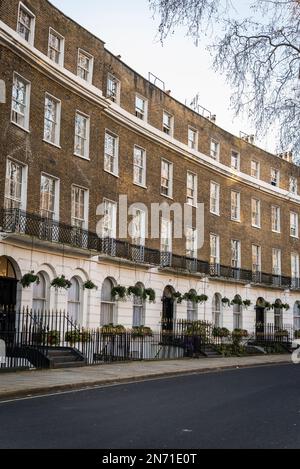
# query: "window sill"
[[235, 221], [20, 127], [214, 213], [56, 145], [167, 196], [112, 174], [256, 226], [142, 186], [276, 232], [82, 157]]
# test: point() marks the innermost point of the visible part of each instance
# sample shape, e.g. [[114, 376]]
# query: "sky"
[[129, 29]]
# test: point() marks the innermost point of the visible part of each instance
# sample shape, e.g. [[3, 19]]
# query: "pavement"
[[28, 383], [253, 407]]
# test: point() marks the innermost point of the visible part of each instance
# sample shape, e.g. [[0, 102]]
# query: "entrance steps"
[[60, 357]]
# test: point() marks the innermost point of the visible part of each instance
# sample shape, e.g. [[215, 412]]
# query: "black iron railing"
[[17, 221], [33, 337]]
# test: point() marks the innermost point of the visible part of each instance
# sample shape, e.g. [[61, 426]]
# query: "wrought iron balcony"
[[14, 221]]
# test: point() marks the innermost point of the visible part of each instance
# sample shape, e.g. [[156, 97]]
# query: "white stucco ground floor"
[[96, 307]]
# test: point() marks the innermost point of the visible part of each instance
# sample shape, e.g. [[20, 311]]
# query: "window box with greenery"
[[119, 293], [29, 279], [61, 283], [142, 331], [111, 329], [281, 333]]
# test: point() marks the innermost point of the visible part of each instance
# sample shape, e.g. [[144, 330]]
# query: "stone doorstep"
[[30, 389]]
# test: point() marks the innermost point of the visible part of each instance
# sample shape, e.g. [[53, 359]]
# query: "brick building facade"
[[79, 127]]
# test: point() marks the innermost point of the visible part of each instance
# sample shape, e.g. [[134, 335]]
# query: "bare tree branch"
[[259, 55]]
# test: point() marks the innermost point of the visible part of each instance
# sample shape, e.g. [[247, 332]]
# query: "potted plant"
[[89, 285], [73, 337], [241, 333], [297, 334], [220, 332], [237, 301], [178, 297], [247, 303], [141, 331], [286, 306], [150, 295], [119, 293], [28, 279], [202, 298], [135, 291], [226, 301], [61, 282], [52, 338], [85, 335]]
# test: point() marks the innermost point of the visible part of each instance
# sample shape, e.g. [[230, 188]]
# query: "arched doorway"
[[260, 314], [8, 283], [168, 309], [8, 294]]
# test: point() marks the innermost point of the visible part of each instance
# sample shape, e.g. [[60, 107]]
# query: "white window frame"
[[115, 171], [193, 201], [256, 267], [23, 197], [168, 129], [191, 240], [295, 272], [62, 49], [86, 139], [113, 219], [169, 229], [236, 210], [275, 219], [56, 195], [193, 143], [257, 170], [143, 168], [141, 115], [170, 179], [294, 227], [91, 65], [216, 257], [238, 160], [114, 98], [85, 219], [236, 262], [26, 105], [255, 225], [293, 185], [138, 236], [217, 186], [32, 28], [215, 153], [58, 120], [275, 182], [276, 266]]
